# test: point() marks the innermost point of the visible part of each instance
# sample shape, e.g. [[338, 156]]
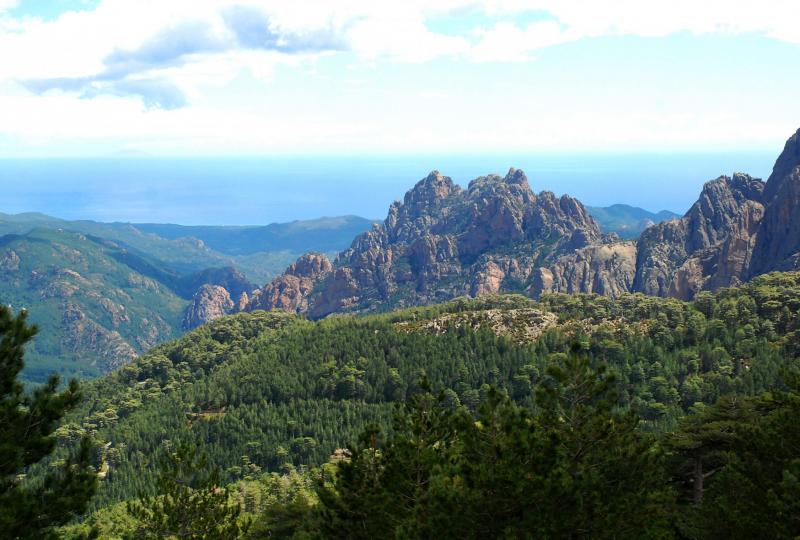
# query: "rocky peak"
[[516, 176], [421, 209], [512, 187], [443, 241], [784, 166], [429, 191], [209, 302]]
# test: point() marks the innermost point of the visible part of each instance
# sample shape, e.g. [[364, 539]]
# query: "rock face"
[[228, 277], [709, 247], [778, 242], [607, 269], [88, 339], [9, 262], [290, 291], [209, 303]]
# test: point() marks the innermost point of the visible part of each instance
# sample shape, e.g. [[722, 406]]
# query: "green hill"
[[103, 293], [272, 388], [325, 235]]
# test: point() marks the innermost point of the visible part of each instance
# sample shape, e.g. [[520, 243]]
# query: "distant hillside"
[[260, 253], [326, 234], [627, 221], [95, 310]]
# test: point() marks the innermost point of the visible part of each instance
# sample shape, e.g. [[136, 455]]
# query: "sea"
[[261, 190]]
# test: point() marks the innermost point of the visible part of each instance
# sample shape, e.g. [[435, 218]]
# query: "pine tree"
[[27, 423], [190, 502]]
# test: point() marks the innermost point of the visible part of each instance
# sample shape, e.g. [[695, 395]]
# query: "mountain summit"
[[444, 241]]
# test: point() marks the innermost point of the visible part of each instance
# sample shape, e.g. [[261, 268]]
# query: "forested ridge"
[[670, 404]]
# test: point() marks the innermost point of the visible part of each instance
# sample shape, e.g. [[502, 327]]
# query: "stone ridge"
[[290, 291], [784, 166], [711, 242]]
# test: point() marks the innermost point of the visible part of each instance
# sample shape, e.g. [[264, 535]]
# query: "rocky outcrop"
[[235, 282], [291, 290], [9, 262], [739, 227], [709, 246], [524, 325], [209, 303]]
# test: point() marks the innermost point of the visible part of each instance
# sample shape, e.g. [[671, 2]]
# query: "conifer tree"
[[27, 423], [190, 501]]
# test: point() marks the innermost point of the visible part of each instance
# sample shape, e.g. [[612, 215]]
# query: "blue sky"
[[268, 77]]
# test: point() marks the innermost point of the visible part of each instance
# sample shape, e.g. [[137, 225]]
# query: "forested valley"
[[574, 416]]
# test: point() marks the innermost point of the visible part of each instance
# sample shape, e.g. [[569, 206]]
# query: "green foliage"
[[573, 469], [746, 457], [31, 508], [191, 502], [279, 389]]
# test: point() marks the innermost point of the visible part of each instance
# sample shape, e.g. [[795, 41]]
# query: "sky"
[[83, 78]]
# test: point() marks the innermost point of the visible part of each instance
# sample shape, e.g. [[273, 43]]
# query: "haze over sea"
[[261, 190]]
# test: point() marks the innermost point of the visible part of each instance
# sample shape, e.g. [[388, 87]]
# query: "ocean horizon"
[[261, 190]]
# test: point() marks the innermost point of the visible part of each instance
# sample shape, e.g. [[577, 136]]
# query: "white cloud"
[[506, 42]]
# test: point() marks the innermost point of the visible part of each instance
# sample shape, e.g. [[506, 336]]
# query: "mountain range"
[[497, 235]]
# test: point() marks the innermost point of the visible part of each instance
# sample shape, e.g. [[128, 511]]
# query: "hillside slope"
[[277, 388], [95, 312]]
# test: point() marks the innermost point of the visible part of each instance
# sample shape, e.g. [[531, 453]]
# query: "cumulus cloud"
[[253, 29]]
